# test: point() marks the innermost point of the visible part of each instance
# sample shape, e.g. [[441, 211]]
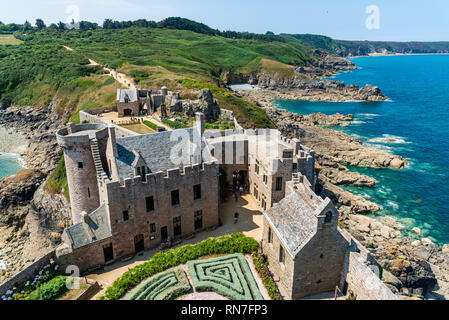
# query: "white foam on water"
[[393, 205], [2, 265], [387, 138]]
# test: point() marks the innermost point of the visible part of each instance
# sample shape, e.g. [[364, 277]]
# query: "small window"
[[197, 192], [270, 236], [144, 174], [138, 172], [175, 197], [149, 203], [88, 192], [265, 179], [80, 165], [295, 167], [281, 254], [198, 219], [328, 218], [153, 228], [177, 226], [125, 215], [279, 184], [256, 168]]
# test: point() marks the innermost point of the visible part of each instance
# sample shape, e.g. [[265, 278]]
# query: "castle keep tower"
[[81, 145]]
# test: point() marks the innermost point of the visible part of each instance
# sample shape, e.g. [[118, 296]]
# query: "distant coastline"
[[399, 54]]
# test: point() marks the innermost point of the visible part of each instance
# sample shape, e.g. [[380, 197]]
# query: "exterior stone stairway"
[[102, 176]]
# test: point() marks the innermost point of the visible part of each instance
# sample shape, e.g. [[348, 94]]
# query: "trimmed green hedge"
[[229, 276], [150, 124], [166, 285], [162, 261], [174, 124]]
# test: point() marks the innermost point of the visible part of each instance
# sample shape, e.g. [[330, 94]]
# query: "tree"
[[61, 25], [40, 24], [27, 26], [269, 33]]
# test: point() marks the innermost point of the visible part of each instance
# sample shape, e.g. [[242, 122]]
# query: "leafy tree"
[[61, 25], [40, 24], [27, 26], [269, 33]]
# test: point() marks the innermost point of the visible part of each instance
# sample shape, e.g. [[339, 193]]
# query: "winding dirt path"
[[119, 77]]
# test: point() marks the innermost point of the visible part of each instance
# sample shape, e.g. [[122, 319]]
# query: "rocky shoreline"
[[31, 219], [411, 269]]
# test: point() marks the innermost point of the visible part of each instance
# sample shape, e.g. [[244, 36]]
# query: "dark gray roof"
[[132, 95], [82, 233], [294, 220], [154, 148]]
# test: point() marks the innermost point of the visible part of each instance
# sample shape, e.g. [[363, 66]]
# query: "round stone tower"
[[78, 143]]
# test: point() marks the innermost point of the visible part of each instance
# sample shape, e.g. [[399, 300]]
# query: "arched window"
[[328, 218]]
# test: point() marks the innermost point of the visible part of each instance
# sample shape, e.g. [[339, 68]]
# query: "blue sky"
[[401, 20]]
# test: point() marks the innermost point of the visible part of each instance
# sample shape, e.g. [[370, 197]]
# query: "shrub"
[[166, 285], [262, 269], [229, 276], [173, 124], [161, 261], [51, 289], [150, 124]]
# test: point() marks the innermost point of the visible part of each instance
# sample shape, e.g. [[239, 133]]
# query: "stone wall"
[[26, 274], [131, 197], [91, 117], [283, 271], [361, 273]]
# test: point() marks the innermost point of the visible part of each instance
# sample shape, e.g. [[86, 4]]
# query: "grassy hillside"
[[41, 70]]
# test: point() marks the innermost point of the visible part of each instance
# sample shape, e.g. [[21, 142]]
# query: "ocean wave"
[[387, 138], [9, 156], [2, 265]]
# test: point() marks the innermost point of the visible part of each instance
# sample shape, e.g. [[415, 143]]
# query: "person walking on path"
[[236, 217]]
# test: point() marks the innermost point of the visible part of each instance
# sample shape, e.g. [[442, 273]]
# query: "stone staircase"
[[102, 176]]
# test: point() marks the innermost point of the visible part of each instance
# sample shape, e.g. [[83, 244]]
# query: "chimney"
[[84, 217]]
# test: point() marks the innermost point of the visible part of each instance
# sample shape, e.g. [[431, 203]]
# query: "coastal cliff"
[[411, 269], [31, 218]]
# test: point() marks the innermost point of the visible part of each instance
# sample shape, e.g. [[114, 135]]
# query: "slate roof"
[[82, 233], [154, 148], [294, 219], [132, 94]]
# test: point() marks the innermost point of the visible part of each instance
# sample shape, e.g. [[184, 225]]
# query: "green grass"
[[57, 183], [174, 124], [6, 39], [248, 115]]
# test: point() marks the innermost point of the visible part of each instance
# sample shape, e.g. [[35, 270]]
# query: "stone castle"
[[129, 193]]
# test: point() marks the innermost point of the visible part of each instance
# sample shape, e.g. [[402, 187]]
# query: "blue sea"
[[9, 164], [414, 124]]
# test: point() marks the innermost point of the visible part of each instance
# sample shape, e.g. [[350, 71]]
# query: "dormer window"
[[328, 217]]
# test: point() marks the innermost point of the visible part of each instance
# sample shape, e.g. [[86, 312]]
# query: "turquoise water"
[[416, 119], [9, 164]]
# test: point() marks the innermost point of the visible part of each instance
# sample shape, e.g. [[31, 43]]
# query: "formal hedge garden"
[[167, 285], [229, 244], [229, 276]]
